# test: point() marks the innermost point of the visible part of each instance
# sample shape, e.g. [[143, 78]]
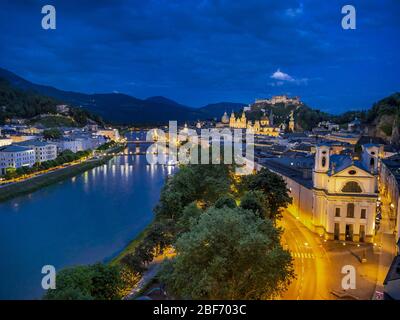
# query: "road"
[[311, 262]]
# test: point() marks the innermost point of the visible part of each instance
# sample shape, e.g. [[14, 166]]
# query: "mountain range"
[[122, 108]]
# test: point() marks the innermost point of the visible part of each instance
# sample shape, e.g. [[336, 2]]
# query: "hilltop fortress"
[[284, 99]]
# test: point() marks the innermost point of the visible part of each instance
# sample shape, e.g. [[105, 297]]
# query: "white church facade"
[[340, 201]]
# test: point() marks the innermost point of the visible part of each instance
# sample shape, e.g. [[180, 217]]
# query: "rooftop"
[[14, 148], [295, 172]]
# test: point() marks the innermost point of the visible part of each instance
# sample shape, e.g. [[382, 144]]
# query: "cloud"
[[293, 12], [282, 78], [279, 75]]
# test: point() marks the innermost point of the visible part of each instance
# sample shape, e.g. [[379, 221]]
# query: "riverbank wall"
[[28, 186]]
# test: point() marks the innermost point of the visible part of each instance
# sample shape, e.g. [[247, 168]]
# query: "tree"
[[256, 202], [229, 254], [225, 201], [189, 217], [92, 282], [201, 183], [52, 134], [273, 187]]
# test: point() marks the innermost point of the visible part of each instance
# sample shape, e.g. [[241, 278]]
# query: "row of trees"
[[223, 229]]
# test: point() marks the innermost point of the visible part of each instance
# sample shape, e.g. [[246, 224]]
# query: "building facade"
[[16, 157], [262, 126], [339, 200], [44, 151]]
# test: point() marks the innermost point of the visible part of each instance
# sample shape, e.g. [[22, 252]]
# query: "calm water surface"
[[82, 220]]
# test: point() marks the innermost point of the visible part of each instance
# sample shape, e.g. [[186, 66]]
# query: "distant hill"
[[17, 103], [216, 110], [117, 107]]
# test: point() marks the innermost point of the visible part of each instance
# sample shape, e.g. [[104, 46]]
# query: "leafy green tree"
[[256, 202], [92, 282], [52, 134], [189, 217], [72, 283], [274, 189], [229, 254], [226, 200], [201, 183]]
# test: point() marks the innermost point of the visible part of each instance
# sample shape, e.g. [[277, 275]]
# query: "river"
[[82, 220]]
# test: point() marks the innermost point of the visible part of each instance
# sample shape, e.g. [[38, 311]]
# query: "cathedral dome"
[[225, 118]]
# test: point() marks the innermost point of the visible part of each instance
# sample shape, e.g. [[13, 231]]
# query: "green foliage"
[[387, 129], [159, 237], [307, 118], [106, 146], [23, 104], [274, 189], [28, 104], [226, 200], [386, 106], [52, 134], [201, 183], [257, 202], [189, 217], [92, 282], [229, 254], [55, 121]]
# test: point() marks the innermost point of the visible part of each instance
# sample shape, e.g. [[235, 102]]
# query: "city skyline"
[[211, 51]]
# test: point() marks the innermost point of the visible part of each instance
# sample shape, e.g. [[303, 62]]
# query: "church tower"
[[321, 166], [291, 122], [243, 121], [232, 120], [370, 157]]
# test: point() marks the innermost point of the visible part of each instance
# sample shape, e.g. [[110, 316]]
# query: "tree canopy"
[[229, 254], [274, 188], [92, 282]]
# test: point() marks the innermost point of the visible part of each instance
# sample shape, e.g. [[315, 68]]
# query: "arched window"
[[323, 161], [372, 162], [352, 186], [350, 210]]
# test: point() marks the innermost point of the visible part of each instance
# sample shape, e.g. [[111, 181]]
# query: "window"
[[363, 213], [352, 186], [350, 210], [337, 212], [323, 162], [372, 162]]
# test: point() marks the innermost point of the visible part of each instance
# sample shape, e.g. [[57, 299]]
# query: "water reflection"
[[85, 219]]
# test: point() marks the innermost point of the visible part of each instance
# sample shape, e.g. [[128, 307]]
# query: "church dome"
[[225, 118]]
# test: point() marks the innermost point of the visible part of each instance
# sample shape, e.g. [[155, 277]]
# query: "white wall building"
[[16, 157], [44, 151], [340, 200]]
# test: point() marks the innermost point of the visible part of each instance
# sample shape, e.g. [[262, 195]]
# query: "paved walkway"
[[385, 246], [152, 270]]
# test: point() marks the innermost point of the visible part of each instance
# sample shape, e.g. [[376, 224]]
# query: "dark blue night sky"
[[199, 52]]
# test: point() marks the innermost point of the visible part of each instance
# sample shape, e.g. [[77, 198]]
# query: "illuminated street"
[[311, 262]]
